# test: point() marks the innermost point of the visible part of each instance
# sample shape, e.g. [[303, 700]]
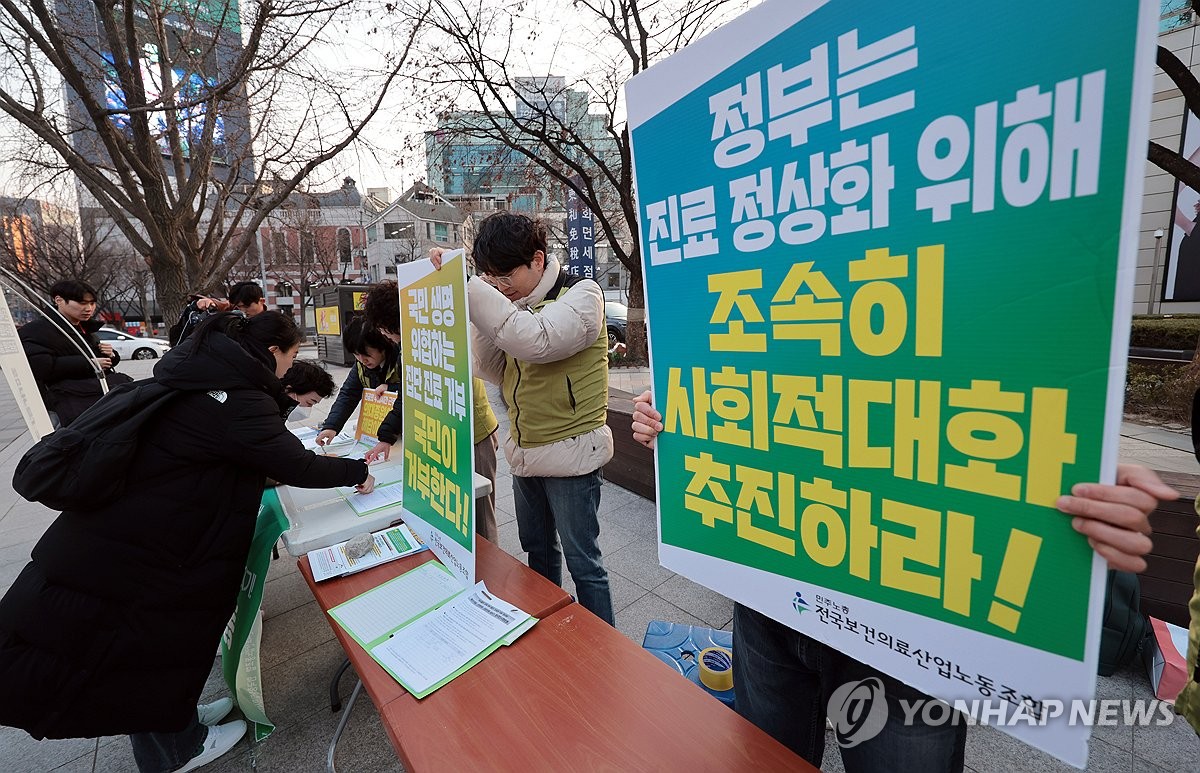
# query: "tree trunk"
[[171, 288], [635, 324]]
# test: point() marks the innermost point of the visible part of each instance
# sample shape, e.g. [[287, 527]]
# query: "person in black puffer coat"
[[111, 627], [67, 378]]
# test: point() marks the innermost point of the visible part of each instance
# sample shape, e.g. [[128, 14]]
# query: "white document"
[[440, 643], [385, 496], [390, 544], [380, 610]]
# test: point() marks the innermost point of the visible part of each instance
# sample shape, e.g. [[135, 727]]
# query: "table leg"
[[337, 734], [335, 700]]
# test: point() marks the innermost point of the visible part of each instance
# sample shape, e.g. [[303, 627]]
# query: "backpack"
[[85, 465], [1124, 629]]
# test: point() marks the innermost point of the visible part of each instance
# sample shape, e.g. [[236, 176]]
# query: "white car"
[[133, 347]]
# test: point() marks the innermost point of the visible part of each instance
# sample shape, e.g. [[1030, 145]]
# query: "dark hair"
[[506, 241], [358, 336], [245, 293], [256, 334], [381, 307], [306, 376], [73, 290]]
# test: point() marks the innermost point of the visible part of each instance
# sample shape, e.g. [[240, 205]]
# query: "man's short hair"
[[506, 241], [358, 335], [382, 307], [306, 376], [73, 290], [245, 294]]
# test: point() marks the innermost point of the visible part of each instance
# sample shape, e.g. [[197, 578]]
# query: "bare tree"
[[187, 123], [480, 55], [42, 244]]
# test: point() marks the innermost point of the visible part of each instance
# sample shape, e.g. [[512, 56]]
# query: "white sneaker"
[[220, 739], [212, 713]]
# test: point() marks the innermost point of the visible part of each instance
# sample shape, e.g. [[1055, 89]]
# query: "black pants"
[[162, 752]]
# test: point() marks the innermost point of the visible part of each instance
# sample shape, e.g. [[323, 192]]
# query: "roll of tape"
[[716, 668]]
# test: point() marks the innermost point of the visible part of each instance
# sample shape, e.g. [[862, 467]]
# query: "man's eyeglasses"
[[499, 282]]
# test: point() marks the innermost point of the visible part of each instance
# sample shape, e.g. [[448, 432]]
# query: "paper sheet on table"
[[385, 475], [442, 644], [381, 497], [371, 616], [390, 544]]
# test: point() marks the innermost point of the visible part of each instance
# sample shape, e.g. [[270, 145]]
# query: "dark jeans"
[[162, 752], [783, 680], [549, 508]]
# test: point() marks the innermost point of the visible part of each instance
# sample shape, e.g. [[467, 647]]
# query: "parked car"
[[615, 315], [133, 347]]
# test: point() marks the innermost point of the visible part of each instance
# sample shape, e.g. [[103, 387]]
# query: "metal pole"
[[1150, 301], [262, 264]]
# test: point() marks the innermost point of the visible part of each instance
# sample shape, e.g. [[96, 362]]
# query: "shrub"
[[1162, 392], [1174, 332]]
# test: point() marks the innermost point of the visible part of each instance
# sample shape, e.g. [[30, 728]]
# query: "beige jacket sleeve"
[[559, 330]]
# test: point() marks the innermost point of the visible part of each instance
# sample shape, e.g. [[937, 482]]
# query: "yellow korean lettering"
[[918, 433], [862, 394], [885, 296], [983, 432], [864, 534], [930, 282], [815, 316], [733, 288], [1050, 446], [707, 475], [735, 398], [687, 415], [924, 547], [800, 400], [755, 495], [822, 530], [963, 565]]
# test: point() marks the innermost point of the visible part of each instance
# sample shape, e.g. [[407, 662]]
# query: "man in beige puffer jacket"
[[540, 334]]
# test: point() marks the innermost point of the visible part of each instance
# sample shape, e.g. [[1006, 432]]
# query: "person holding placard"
[[377, 364], [783, 680], [382, 311], [539, 333]]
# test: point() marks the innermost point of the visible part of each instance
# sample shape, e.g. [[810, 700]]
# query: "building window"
[[308, 246], [614, 281], [393, 231], [390, 270], [440, 232], [343, 245]]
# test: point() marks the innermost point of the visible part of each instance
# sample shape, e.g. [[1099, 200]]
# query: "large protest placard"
[[439, 457], [889, 265]]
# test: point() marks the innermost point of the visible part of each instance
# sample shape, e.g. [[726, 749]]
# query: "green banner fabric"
[[240, 657], [889, 266]]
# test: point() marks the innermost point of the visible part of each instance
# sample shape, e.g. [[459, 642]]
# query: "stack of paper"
[[390, 544], [425, 629]]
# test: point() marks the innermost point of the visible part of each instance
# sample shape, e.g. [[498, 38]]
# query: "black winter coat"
[[111, 628], [67, 380]]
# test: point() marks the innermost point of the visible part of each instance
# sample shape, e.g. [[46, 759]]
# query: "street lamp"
[[1150, 302]]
